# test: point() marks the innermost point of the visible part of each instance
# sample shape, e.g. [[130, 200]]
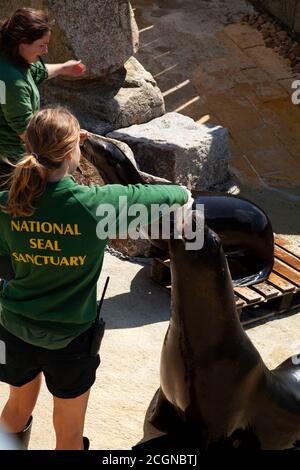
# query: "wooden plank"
[[240, 303], [287, 258], [280, 283], [287, 245], [258, 319], [267, 290], [286, 302], [286, 271], [266, 299], [248, 294]]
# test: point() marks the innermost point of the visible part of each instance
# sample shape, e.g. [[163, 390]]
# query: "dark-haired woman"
[[24, 38]]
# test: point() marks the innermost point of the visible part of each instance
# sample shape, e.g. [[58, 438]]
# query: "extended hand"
[[73, 68], [183, 215], [83, 136]]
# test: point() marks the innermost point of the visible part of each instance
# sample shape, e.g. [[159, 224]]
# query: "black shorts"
[[69, 372]]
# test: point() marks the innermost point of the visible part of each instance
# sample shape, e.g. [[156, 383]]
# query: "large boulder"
[[129, 96], [175, 147], [102, 33]]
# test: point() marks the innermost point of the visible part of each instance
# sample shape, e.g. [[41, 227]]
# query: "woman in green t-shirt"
[[24, 38], [56, 232]]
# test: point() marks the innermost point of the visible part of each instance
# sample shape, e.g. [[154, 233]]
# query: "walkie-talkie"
[[98, 326]]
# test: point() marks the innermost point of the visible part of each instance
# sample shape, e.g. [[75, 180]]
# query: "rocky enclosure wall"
[[287, 11]]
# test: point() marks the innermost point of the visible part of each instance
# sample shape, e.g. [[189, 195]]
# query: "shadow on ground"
[[143, 305]]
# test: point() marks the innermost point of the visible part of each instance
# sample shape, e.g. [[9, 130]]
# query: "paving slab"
[[244, 36]]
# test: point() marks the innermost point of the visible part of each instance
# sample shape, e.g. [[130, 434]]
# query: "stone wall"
[[287, 11]]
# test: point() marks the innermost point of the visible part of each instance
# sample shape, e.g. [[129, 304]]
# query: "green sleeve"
[[39, 72], [122, 198], [18, 108], [149, 194], [145, 194]]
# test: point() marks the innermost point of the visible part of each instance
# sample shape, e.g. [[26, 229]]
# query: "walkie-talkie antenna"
[[102, 298]]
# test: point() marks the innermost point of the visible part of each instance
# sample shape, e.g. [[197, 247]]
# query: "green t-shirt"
[[57, 257], [19, 101]]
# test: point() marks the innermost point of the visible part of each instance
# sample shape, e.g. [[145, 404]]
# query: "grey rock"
[[129, 96], [132, 248], [102, 33], [177, 148]]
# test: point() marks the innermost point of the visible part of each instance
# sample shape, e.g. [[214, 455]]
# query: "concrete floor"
[[214, 72]]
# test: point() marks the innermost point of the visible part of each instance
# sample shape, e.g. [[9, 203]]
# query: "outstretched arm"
[[71, 68]]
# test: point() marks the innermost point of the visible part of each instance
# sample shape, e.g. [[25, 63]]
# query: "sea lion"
[[115, 162], [245, 230], [215, 391]]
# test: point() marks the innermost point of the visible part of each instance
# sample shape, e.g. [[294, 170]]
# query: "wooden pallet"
[[279, 294]]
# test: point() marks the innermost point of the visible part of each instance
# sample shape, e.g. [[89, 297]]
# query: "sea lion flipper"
[[162, 414], [160, 422]]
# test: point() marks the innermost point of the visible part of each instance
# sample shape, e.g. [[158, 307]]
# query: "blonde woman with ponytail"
[[48, 227]]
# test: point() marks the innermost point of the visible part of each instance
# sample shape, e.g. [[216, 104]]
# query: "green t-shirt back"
[[57, 257], [20, 100]]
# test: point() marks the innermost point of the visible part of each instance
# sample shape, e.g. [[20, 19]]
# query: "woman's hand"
[[83, 136], [73, 68]]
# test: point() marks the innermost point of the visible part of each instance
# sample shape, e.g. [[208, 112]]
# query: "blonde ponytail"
[[51, 135], [27, 183]]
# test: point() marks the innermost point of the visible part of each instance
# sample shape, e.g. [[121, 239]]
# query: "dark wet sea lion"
[[244, 229], [215, 391], [115, 162]]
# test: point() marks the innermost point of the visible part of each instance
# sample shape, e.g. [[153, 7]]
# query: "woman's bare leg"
[[20, 405], [68, 420]]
